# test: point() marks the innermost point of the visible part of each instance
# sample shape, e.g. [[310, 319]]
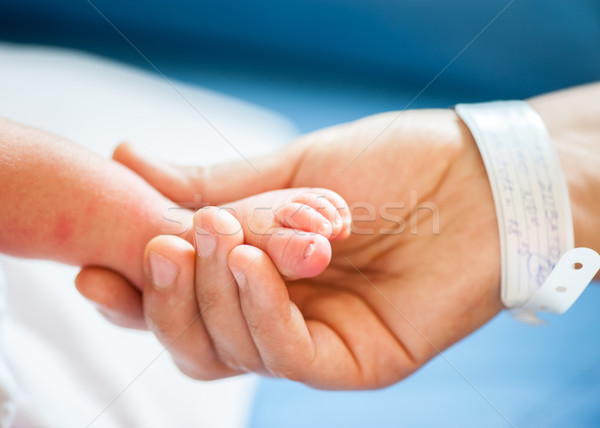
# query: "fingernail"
[[310, 248], [163, 271], [240, 277], [206, 242], [326, 229]]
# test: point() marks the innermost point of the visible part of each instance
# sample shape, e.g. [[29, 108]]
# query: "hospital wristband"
[[540, 269]]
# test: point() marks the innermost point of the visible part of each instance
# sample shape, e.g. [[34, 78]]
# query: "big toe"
[[298, 254]]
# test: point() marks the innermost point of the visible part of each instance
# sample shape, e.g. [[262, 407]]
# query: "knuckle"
[[254, 325], [207, 296]]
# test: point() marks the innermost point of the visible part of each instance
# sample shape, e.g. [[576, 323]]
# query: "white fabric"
[[68, 362], [8, 387]]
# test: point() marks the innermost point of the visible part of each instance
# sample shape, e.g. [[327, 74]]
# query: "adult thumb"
[[197, 186]]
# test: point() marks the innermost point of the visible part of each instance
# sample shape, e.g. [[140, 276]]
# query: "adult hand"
[[396, 293], [420, 271]]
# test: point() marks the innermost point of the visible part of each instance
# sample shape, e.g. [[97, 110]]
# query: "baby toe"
[[332, 206], [303, 217], [298, 255]]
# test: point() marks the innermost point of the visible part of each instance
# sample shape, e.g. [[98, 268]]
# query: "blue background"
[[321, 62]]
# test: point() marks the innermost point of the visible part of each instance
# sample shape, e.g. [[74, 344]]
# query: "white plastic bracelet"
[[541, 271]]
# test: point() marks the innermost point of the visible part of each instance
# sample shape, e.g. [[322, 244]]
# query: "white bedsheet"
[[71, 367]]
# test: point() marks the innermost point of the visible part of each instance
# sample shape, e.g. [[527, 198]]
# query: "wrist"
[[581, 169], [572, 120]]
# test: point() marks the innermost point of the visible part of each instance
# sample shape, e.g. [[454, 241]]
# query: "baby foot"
[[293, 226]]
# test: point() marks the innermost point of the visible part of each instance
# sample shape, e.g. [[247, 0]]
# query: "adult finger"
[[213, 184], [171, 310], [217, 233], [306, 351], [114, 297]]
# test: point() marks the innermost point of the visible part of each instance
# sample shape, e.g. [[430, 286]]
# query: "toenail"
[[325, 229], [310, 248]]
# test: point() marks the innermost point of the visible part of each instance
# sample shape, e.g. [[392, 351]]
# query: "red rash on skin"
[[63, 228]]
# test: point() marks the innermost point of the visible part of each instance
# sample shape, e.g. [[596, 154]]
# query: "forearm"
[[64, 203], [573, 120]]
